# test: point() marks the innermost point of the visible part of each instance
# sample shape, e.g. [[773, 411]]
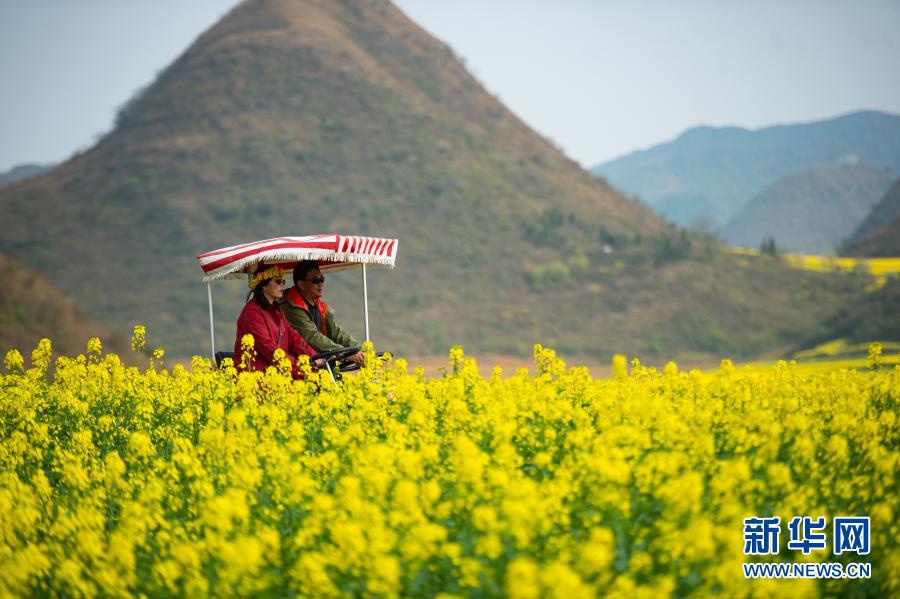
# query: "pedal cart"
[[332, 252]]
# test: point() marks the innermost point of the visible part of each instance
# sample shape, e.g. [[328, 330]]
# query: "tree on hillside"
[[768, 247]]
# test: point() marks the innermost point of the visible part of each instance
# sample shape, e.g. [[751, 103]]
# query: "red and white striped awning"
[[330, 251]]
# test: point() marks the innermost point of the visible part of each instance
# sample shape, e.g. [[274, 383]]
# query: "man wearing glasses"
[[310, 316]]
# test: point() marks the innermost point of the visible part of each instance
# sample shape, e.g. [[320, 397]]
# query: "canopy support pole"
[[365, 300], [212, 335]]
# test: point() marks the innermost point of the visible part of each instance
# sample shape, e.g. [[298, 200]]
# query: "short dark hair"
[[302, 269]]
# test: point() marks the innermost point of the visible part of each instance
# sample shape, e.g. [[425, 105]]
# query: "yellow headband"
[[273, 272]]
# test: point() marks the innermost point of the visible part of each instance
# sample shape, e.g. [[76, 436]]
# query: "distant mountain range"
[[707, 175], [21, 172], [811, 211], [312, 116], [884, 242], [879, 233]]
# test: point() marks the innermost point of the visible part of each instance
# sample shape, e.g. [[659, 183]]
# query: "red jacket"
[[270, 330]]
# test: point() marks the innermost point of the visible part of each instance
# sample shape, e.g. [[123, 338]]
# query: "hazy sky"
[[600, 78]]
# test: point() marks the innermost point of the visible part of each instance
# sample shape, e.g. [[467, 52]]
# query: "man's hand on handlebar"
[[357, 358], [341, 353]]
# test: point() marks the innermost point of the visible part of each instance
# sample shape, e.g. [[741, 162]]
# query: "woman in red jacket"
[[265, 321]]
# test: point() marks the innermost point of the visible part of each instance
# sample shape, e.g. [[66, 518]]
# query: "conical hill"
[[315, 116]]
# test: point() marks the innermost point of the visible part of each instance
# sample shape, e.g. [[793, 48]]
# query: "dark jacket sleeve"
[[336, 333], [298, 345]]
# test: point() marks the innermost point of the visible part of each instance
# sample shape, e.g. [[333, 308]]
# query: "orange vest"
[[293, 296]]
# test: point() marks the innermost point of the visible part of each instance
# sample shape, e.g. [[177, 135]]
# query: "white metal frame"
[[365, 300], [212, 334]]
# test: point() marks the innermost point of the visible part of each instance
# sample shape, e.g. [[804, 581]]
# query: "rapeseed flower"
[[199, 481]]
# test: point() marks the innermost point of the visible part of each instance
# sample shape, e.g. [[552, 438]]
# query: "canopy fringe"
[[236, 269]]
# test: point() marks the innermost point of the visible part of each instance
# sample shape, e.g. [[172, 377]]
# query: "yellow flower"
[[116, 481], [94, 346], [384, 576], [522, 579], [620, 366], [248, 352], [40, 357], [598, 553], [874, 358], [140, 446], [14, 361], [138, 337]]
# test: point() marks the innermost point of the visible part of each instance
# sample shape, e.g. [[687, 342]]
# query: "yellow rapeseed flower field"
[[120, 481], [879, 268]]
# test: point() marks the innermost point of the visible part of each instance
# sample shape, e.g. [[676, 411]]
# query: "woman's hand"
[[319, 363]]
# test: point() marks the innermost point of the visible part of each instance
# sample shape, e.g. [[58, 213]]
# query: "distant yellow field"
[[819, 366], [879, 268], [840, 354], [841, 348]]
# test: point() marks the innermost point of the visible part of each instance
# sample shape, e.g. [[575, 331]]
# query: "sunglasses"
[[278, 281], [316, 280]]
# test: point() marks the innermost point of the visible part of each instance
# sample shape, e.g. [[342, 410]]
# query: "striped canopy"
[[330, 251]]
